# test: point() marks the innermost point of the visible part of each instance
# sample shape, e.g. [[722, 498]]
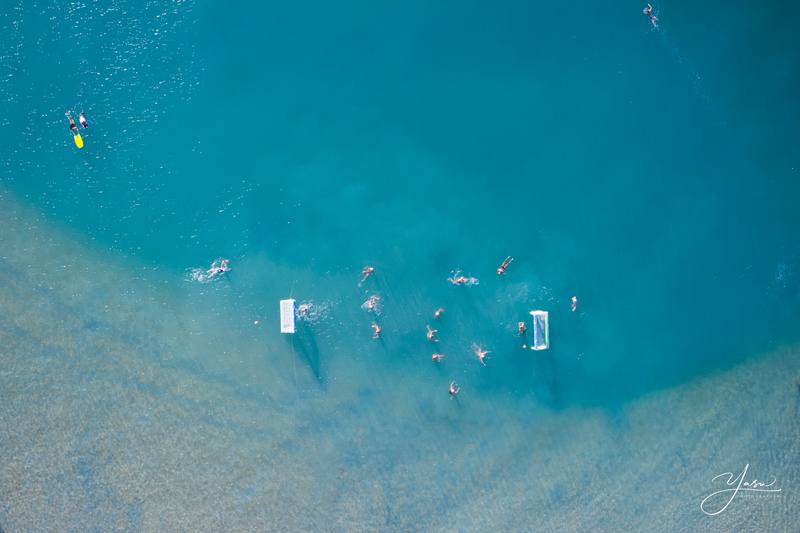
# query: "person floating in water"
[[454, 389], [648, 11], [574, 303], [376, 331], [504, 265], [82, 120], [437, 357], [303, 310], [310, 311], [372, 304], [521, 329], [73, 128], [218, 267], [431, 334], [438, 312], [460, 279], [366, 272], [480, 353]]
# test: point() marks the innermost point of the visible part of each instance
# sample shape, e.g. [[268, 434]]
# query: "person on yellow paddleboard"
[[73, 128]]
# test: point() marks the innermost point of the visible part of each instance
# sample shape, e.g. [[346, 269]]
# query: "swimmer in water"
[[73, 128], [218, 267], [521, 329], [437, 357], [480, 353], [366, 272], [82, 120], [453, 389], [376, 331], [438, 312], [648, 10], [504, 265], [303, 310], [458, 278], [431, 334], [371, 304], [574, 303]]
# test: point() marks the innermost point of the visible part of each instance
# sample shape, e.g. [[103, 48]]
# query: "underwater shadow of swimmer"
[[306, 343]]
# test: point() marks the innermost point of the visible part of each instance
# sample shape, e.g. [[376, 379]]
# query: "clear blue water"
[[652, 173]]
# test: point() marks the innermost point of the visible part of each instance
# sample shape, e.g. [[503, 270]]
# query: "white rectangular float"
[[541, 330], [287, 316]]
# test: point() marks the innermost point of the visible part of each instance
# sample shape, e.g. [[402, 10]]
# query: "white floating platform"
[[287, 316], [541, 330]]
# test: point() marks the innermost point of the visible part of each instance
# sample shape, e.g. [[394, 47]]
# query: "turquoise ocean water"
[[651, 172]]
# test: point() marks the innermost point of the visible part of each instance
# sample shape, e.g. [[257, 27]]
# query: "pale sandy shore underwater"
[[126, 405]]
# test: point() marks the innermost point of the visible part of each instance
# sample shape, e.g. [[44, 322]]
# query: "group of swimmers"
[[648, 11], [220, 266], [74, 127], [371, 305]]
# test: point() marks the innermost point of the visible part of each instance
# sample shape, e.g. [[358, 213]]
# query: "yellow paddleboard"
[[78, 140]]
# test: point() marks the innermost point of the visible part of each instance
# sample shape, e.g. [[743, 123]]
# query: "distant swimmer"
[[504, 265], [376, 331], [648, 10], [437, 357], [82, 120], [431, 334], [480, 353], [438, 312], [460, 279], [311, 312], [73, 128], [218, 267], [372, 304], [303, 310], [521, 329], [454, 389], [366, 272], [574, 303]]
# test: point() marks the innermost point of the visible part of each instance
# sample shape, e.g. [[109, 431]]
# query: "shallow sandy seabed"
[[127, 404]]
